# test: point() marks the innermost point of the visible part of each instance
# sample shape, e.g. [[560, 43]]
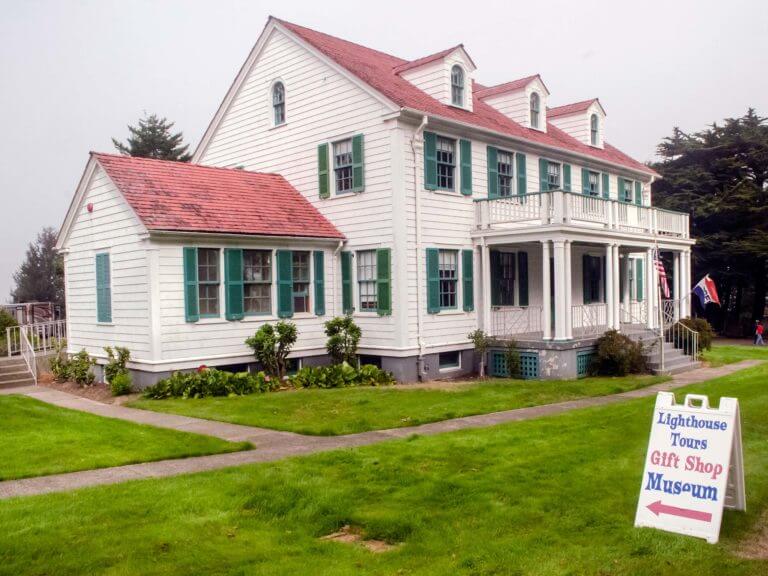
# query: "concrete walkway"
[[273, 445]]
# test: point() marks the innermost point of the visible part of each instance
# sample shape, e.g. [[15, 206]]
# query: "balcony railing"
[[560, 207]]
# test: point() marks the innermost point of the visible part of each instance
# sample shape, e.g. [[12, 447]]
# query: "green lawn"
[[37, 439], [545, 497], [349, 410], [720, 355]]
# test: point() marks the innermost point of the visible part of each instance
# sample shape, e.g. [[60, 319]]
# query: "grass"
[[38, 439], [350, 410], [554, 496], [720, 355]]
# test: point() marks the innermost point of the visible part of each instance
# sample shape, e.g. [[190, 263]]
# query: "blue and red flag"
[[706, 291]]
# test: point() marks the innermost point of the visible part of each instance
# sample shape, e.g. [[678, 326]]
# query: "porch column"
[[560, 312], [546, 298], [568, 291], [485, 262], [651, 293], [609, 281], [615, 299], [687, 284], [625, 297], [676, 284]]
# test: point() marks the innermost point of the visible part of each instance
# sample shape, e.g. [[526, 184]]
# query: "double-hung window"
[[535, 110], [257, 281], [278, 103], [626, 193], [366, 280], [553, 176], [506, 173], [507, 279], [301, 281], [208, 279], [342, 165], [103, 288], [446, 163], [593, 130], [449, 278], [457, 86], [593, 181]]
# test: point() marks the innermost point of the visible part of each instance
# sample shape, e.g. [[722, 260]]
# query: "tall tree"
[[153, 138], [720, 177], [40, 278]]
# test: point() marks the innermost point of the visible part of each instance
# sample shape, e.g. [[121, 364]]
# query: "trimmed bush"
[[79, 369], [705, 330], [59, 363], [117, 358], [617, 355], [514, 364], [271, 346], [341, 376], [343, 338], [208, 382], [120, 384]]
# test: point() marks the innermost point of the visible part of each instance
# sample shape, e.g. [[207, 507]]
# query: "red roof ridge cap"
[[193, 164]]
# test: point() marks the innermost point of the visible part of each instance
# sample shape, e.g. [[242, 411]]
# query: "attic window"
[[535, 109], [278, 103], [593, 127], [457, 86]]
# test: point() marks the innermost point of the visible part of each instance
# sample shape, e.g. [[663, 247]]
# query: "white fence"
[[515, 320], [40, 337], [589, 319]]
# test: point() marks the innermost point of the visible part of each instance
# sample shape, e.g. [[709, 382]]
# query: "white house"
[[408, 195]]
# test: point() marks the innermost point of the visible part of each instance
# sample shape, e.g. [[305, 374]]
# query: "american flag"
[[662, 273]]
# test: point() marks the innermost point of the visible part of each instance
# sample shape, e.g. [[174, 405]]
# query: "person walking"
[[758, 333]]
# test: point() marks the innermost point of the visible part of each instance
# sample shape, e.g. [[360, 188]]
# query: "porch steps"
[[14, 373], [675, 362]]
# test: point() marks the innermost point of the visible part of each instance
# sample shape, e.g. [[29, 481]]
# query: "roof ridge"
[[180, 163], [507, 83], [416, 62]]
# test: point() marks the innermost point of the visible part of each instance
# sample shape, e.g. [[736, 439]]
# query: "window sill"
[[449, 369], [451, 312], [217, 320], [367, 314], [278, 126], [453, 193], [104, 323]]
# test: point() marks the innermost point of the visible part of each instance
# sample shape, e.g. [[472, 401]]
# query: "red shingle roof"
[[178, 196], [506, 87], [570, 108], [377, 69], [425, 60]]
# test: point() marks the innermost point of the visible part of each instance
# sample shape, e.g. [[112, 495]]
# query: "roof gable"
[[512, 86], [433, 58], [574, 108]]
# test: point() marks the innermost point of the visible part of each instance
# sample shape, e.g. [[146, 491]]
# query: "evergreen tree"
[[40, 278], [720, 177], [153, 139]]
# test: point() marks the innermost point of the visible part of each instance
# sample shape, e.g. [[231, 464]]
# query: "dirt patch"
[[756, 546], [97, 391], [352, 535]]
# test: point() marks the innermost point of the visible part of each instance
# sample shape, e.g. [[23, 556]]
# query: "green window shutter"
[[522, 275], [638, 194], [620, 189], [346, 283], [467, 276], [358, 172], [493, 172], [465, 147], [319, 258], [639, 281], [324, 184], [233, 283], [430, 161], [103, 288], [522, 183], [586, 277], [543, 181], [284, 283], [384, 281], [567, 177], [585, 181], [606, 186], [191, 304], [433, 280], [495, 264]]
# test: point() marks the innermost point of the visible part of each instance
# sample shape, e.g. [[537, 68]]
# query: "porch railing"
[[589, 319], [40, 337], [675, 332], [507, 321], [27, 351], [634, 312], [561, 207]]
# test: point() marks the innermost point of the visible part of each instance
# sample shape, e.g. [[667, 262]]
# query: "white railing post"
[[544, 207], [557, 198]]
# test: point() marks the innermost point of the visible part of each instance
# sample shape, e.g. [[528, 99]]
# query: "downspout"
[[419, 272], [336, 279]]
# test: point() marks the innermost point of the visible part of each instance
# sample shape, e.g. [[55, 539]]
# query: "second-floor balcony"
[[572, 209]]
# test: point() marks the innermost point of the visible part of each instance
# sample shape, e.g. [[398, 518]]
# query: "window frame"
[[442, 367], [535, 110], [594, 130], [269, 283], [507, 263], [347, 168], [371, 281], [108, 255], [308, 282], [559, 166], [511, 175], [628, 193], [596, 192], [451, 166], [458, 88], [278, 107], [209, 283], [454, 281]]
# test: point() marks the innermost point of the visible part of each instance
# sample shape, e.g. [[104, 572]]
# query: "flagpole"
[[656, 259]]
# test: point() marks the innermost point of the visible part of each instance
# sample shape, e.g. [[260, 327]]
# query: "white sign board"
[[693, 467]]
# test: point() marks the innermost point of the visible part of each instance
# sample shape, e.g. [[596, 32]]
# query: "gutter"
[[335, 283], [419, 251]]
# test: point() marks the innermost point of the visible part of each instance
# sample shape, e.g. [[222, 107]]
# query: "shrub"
[[481, 342], [59, 363], [120, 384], [79, 369], [617, 355], [512, 356], [343, 338], [271, 346], [6, 321], [704, 328], [341, 376], [117, 358], [208, 382]]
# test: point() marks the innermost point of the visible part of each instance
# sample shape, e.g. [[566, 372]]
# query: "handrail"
[[41, 337], [28, 353]]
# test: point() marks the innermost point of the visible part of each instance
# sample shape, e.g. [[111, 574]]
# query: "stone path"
[[273, 445]]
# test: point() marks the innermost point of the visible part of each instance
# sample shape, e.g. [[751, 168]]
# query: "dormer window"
[[278, 103], [535, 109], [457, 86], [593, 130]]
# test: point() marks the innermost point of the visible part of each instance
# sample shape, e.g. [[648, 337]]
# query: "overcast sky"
[[73, 74]]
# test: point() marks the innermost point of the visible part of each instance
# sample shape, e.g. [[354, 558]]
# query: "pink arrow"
[[659, 508]]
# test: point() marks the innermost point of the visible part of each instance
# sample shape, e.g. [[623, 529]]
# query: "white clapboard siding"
[[111, 227]]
